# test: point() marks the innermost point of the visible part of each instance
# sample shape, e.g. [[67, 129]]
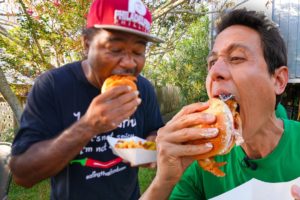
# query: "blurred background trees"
[[46, 34]]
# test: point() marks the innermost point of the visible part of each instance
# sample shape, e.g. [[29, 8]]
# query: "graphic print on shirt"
[[98, 146]]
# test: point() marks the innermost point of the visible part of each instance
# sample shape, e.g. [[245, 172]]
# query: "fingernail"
[[136, 93], [203, 103], [139, 100], [210, 132], [209, 116], [129, 88], [208, 145]]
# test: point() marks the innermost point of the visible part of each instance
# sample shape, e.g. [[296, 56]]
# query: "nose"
[[219, 70], [128, 62]]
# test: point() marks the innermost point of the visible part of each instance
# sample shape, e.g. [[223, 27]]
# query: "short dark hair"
[[89, 33], [273, 45]]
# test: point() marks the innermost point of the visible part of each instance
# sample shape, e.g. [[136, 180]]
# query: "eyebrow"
[[231, 48], [119, 39]]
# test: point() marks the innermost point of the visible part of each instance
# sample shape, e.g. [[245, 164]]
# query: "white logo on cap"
[[137, 6]]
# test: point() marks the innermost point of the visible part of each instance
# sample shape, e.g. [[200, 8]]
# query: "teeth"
[[225, 97]]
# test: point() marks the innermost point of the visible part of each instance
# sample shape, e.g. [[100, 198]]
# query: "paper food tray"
[[135, 156]]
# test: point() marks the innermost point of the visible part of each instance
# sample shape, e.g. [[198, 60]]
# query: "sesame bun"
[[118, 80]]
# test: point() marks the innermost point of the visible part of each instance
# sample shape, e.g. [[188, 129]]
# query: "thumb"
[[295, 190]]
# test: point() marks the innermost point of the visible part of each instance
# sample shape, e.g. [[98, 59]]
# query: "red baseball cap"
[[131, 16]]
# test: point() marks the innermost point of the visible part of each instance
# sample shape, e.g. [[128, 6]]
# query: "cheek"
[[140, 64], [208, 85]]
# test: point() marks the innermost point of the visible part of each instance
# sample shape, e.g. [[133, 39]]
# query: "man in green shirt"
[[248, 61]]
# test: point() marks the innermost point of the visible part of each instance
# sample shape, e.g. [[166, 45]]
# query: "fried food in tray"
[[131, 144]]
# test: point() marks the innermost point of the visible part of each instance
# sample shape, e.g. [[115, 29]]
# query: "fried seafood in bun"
[[229, 125], [118, 80]]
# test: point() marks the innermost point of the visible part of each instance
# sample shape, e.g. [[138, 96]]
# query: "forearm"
[[158, 190], [47, 158]]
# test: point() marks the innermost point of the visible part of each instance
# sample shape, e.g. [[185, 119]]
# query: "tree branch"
[[34, 36], [166, 8]]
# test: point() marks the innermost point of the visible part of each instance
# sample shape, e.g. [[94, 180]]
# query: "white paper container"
[[135, 156], [259, 190]]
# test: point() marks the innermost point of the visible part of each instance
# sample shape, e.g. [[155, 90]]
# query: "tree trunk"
[[10, 97]]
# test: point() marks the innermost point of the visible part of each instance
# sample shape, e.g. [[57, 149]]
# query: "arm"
[[173, 154], [46, 158]]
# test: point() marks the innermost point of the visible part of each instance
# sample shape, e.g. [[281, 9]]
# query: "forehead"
[[118, 36], [238, 37]]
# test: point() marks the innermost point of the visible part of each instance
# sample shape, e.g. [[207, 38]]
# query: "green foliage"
[[145, 178], [40, 191], [185, 66], [7, 135], [47, 35]]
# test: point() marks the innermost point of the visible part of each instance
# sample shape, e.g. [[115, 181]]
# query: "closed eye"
[[115, 50], [237, 59], [211, 63], [139, 53]]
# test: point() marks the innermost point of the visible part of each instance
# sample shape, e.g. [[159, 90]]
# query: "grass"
[[41, 191]]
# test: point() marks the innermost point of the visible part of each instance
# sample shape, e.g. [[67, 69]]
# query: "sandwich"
[[229, 125], [118, 80]]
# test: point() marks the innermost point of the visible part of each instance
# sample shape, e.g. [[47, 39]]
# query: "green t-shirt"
[[281, 112], [282, 165]]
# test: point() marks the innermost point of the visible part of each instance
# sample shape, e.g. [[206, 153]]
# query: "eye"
[[139, 53], [237, 59], [115, 50], [211, 62]]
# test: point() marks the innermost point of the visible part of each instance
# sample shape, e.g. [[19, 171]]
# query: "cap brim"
[[149, 37]]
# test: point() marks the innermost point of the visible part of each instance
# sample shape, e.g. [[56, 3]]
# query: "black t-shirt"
[[58, 98]]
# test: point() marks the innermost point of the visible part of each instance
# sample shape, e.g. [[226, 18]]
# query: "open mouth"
[[227, 97]]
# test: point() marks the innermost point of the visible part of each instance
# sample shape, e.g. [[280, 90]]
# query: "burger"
[[118, 80], [228, 123]]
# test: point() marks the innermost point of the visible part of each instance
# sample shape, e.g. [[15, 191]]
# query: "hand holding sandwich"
[[118, 100], [174, 154]]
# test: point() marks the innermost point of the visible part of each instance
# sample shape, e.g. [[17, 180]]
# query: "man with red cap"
[[66, 120]]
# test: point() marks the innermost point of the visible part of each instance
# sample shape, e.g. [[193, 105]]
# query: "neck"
[[265, 140], [90, 74]]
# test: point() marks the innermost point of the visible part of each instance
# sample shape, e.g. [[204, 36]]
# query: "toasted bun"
[[226, 124], [118, 80]]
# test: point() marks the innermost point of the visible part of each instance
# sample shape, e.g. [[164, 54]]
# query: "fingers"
[[178, 150], [295, 190], [109, 109], [190, 120], [195, 107], [118, 103], [189, 134], [117, 95]]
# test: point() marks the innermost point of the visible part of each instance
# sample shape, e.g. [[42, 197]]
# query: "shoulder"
[[291, 126], [63, 71], [143, 82], [58, 76], [145, 87]]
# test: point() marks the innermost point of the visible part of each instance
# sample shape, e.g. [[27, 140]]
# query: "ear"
[[86, 44], [281, 77]]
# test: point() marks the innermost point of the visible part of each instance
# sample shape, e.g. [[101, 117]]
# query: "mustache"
[[124, 71]]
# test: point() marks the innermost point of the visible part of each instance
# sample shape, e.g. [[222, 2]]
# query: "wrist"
[[159, 189], [87, 127]]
